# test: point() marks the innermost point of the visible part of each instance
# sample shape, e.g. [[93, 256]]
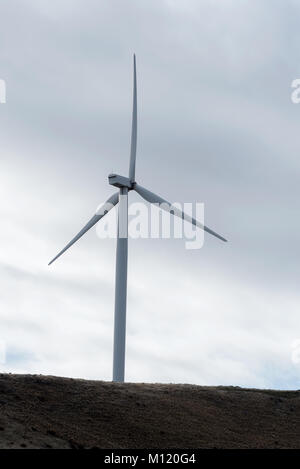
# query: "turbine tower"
[[126, 184]]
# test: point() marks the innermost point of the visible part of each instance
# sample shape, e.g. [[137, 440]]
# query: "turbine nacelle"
[[120, 181]]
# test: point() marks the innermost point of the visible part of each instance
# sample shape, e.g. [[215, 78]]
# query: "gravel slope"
[[52, 412]]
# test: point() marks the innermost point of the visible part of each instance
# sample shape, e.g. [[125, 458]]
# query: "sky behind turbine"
[[215, 124]]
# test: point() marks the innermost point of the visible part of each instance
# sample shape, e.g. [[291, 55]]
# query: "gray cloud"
[[216, 125]]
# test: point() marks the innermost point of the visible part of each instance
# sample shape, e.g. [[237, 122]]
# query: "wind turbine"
[[126, 184]]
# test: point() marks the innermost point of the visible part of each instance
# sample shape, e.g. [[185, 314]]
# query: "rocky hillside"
[[52, 412]]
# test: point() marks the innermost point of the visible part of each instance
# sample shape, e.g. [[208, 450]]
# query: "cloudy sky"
[[216, 125]]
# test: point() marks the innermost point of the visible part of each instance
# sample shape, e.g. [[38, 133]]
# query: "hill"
[[51, 412]]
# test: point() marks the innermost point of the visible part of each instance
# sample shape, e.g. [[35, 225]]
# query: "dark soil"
[[52, 412]]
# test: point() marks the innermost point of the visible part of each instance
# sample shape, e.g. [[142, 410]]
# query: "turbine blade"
[[153, 198], [101, 212], [133, 127]]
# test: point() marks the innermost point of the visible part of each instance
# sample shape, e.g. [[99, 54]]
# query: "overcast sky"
[[216, 125]]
